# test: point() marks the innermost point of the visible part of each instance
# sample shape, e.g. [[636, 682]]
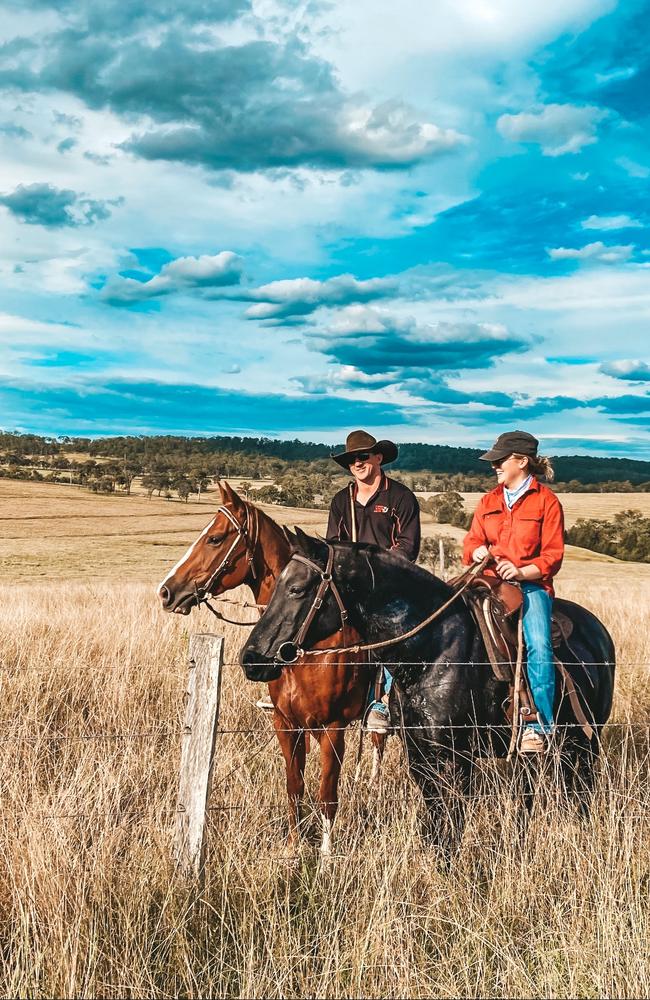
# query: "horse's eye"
[[214, 539], [295, 592]]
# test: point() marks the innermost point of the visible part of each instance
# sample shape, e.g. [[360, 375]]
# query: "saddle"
[[495, 606]]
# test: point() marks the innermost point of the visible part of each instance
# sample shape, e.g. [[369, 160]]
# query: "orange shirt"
[[532, 532]]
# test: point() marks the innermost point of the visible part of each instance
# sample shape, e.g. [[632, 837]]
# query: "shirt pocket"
[[492, 524], [529, 536]]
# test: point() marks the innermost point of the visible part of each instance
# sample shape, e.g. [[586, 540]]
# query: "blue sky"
[[296, 217]]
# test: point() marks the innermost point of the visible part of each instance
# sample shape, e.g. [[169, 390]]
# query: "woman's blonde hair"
[[539, 465]]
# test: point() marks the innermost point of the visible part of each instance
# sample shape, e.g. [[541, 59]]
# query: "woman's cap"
[[511, 443]]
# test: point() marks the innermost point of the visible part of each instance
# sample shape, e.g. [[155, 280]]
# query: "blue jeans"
[[388, 683], [539, 647]]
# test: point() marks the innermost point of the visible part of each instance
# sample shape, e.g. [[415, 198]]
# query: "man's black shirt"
[[390, 518]]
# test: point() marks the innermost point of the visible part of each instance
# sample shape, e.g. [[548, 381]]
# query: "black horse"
[[444, 689]]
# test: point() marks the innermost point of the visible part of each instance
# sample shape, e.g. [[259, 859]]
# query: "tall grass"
[[90, 902]]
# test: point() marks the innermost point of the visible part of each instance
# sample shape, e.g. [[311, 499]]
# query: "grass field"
[[93, 674]]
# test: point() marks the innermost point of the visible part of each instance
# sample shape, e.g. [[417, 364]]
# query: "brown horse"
[[242, 544]]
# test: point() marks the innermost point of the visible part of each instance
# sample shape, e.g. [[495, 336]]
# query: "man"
[[373, 508]]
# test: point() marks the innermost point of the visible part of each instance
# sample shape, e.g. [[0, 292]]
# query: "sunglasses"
[[360, 456], [500, 461]]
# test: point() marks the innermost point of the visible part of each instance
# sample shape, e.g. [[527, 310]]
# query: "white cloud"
[[182, 274], [301, 296], [390, 134], [557, 128], [611, 222], [597, 251], [633, 168], [628, 370], [372, 37]]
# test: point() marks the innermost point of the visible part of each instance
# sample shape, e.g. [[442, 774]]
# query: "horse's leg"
[[292, 744], [378, 747], [578, 762], [332, 748], [444, 780]]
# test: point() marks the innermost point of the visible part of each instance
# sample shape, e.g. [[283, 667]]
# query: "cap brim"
[[493, 455]]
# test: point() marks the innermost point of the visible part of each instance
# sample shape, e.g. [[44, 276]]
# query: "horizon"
[[288, 220], [306, 441]]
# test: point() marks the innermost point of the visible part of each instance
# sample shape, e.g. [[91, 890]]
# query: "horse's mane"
[[398, 562], [280, 529]]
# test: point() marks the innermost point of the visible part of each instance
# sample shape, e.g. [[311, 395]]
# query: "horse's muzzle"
[[178, 603], [259, 668]]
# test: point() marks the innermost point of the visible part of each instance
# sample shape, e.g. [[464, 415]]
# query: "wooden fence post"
[[197, 749]]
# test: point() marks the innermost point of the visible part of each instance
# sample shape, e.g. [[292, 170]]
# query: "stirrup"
[[531, 742]]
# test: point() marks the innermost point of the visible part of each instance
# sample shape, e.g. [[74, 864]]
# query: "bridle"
[[248, 533], [291, 651]]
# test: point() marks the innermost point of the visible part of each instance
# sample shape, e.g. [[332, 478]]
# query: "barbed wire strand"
[[169, 675], [259, 731]]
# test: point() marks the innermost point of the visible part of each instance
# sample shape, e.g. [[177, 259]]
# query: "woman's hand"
[[480, 553], [508, 570]]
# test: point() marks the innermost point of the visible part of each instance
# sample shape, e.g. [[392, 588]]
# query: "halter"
[[291, 651], [243, 535]]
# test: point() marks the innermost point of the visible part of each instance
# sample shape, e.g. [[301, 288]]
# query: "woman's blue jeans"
[[387, 685], [538, 605]]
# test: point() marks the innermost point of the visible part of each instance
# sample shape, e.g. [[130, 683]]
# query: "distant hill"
[[413, 456]]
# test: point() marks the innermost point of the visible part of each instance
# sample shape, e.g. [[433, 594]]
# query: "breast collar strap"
[[326, 583]]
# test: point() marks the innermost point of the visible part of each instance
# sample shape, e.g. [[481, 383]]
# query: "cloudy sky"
[[296, 218]]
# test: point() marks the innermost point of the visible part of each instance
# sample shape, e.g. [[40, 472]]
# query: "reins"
[[328, 582]]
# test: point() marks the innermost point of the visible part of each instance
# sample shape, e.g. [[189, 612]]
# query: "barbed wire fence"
[[182, 736]]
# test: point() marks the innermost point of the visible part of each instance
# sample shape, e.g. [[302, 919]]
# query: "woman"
[[521, 524]]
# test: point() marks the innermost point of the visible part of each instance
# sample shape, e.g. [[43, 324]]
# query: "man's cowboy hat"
[[362, 441]]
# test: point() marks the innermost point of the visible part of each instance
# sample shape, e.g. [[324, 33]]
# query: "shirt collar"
[[383, 485], [511, 496]]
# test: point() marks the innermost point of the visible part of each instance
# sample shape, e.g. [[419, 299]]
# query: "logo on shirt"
[[380, 509]]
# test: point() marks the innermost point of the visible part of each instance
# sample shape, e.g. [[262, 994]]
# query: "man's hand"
[[480, 553], [508, 570]]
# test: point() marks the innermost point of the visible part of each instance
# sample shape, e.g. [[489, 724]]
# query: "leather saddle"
[[495, 606]]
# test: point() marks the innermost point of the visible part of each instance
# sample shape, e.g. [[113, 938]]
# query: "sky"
[[293, 219]]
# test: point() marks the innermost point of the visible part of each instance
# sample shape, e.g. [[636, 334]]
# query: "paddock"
[[92, 902]]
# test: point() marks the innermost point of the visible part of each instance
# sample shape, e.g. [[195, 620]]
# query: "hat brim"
[[387, 448], [494, 454]]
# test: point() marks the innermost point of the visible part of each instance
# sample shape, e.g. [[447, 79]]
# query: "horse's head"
[[218, 560], [305, 608]]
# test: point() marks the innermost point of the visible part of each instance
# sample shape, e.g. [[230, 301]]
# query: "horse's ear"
[[310, 547], [228, 495], [235, 499], [290, 537]]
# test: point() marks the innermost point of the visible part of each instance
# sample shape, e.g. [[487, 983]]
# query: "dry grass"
[[90, 904]]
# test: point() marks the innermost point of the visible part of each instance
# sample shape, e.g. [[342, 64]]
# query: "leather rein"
[[248, 533], [291, 651]]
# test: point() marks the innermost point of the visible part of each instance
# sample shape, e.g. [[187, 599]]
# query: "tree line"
[[627, 536], [261, 457]]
